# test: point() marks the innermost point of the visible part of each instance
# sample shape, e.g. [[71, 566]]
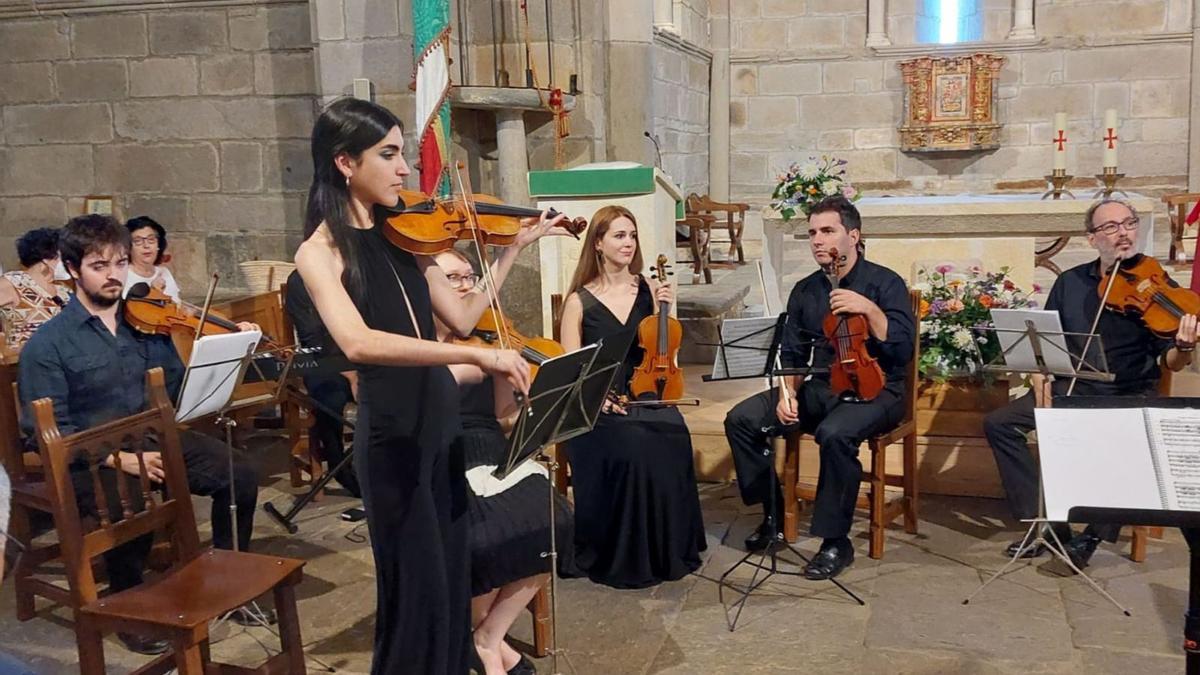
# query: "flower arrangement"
[[954, 305], [804, 184]]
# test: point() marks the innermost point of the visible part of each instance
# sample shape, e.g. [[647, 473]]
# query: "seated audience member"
[[92, 364], [29, 297], [148, 246]]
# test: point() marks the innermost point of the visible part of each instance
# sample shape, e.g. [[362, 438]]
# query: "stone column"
[[1022, 28], [514, 159], [877, 23], [1194, 97], [718, 110], [664, 15], [629, 90]]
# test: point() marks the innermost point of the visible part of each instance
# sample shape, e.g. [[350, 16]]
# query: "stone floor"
[[1033, 620]]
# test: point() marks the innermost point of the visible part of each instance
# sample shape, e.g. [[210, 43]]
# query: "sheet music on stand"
[[746, 346], [216, 367], [565, 398], [1033, 341]]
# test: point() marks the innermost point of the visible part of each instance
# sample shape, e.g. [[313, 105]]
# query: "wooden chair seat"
[[197, 592], [699, 235]]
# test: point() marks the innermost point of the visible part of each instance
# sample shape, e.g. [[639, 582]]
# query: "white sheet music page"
[[1175, 441], [1095, 457]]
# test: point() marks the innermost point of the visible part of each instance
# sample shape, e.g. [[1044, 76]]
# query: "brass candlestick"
[[1109, 180], [1058, 181]]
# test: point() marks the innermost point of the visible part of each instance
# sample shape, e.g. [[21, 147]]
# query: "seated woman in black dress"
[[509, 526], [637, 512]]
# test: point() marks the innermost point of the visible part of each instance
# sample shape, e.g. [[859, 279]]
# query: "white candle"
[[1110, 137], [1060, 140]]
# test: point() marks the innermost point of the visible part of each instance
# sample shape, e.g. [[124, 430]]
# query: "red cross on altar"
[[1111, 138], [1061, 140]]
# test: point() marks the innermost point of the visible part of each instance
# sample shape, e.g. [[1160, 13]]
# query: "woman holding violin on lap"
[[379, 302], [509, 525], [637, 511], [1137, 335]]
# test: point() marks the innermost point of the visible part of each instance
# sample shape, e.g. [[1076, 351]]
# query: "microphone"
[[139, 290], [657, 150]]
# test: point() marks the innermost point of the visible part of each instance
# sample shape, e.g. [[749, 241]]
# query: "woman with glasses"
[[146, 255], [509, 531]]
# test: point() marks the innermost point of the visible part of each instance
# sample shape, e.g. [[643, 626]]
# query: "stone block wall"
[[195, 116], [680, 108], [823, 91]]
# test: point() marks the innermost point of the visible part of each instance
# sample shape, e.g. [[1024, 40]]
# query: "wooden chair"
[[880, 512], [699, 235], [203, 585], [1179, 205], [735, 219]]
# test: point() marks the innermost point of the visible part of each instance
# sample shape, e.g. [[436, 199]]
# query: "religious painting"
[[950, 103], [99, 204]]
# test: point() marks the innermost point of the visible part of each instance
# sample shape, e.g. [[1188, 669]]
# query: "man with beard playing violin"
[[92, 364], [1131, 352], [839, 427]]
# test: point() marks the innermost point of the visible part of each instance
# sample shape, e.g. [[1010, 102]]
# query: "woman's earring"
[[347, 182]]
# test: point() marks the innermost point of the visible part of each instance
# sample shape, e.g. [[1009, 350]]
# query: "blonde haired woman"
[[637, 512]]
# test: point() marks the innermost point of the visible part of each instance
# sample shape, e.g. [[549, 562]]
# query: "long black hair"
[[351, 126]]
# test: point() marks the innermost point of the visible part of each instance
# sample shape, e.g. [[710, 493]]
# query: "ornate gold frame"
[[950, 103]]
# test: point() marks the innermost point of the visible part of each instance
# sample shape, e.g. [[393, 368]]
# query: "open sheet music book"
[[1126, 458]]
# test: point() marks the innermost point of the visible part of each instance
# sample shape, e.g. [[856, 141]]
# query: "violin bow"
[[485, 265], [783, 390], [1112, 277]]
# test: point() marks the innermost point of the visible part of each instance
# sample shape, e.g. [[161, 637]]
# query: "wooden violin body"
[[429, 226], [660, 336], [156, 313], [1143, 289], [490, 331], [854, 374]]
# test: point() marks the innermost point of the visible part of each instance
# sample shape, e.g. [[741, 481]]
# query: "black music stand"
[[564, 402], [1035, 349], [760, 344]]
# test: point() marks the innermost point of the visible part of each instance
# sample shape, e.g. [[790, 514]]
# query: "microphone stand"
[[657, 150]]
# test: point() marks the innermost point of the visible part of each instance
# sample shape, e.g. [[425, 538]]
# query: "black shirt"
[[310, 330], [808, 306], [91, 375], [1132, 351]]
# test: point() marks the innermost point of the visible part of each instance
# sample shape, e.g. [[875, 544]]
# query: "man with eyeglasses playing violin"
[[1132, 353]]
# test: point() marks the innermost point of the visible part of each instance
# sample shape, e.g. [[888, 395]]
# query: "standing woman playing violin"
[[637, 511], [1131, 350], [378, 303]]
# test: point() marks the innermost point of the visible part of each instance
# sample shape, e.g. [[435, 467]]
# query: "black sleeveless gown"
[[413, 485], [509, 519], [637, 511]]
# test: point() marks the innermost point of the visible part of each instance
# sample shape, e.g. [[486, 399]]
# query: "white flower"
[[809, 170], [922, 286], [962, 338], [830, 188], [925, 327]]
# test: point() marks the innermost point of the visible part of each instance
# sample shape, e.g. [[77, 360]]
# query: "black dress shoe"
[[1081, 548], [143, 645], [523, 667], [834, 556], [768, 533]]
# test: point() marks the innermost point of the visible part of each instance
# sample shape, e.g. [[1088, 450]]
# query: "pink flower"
[[942, 269], [849, 192], [1037, 288], [954, 305]]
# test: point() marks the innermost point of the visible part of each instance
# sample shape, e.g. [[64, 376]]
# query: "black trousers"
[[333, 393], [839, 429], [1006, 430], [207, 461]]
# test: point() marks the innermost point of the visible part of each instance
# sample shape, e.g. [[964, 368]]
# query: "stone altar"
[[1000, 230]]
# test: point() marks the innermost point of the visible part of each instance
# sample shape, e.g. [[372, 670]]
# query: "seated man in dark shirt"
[[92, 364], [331, 391], [839, 426], [1131, 352]]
